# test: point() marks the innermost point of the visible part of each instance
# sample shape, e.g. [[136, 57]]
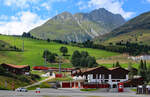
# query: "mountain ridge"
[[135, 30], [78, 27]]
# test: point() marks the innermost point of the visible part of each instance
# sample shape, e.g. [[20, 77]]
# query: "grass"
[[61, 79], [34, 50], [47, 85], [129, 37], [42, 85], [37, 72], [134, 90], [88, 90], [6, 83]]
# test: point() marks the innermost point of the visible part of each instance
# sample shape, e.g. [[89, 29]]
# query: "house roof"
[[97, 69], [103, 69], [17, 66], [116, 68]]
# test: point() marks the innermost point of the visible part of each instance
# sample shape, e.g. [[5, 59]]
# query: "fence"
[[82, 85], [143, 89]]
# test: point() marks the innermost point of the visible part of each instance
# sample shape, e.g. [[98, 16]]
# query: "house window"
[[113, 80], [94, 76]]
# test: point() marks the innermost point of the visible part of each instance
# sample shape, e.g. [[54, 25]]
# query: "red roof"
[[17, 66]]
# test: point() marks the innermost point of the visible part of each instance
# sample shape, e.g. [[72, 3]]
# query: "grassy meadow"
[[33, 51], [136, 36]]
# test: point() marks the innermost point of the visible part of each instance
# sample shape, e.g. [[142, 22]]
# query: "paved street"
[[67, 93]]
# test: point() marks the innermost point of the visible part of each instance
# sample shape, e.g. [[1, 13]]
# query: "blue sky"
[[18, 16]]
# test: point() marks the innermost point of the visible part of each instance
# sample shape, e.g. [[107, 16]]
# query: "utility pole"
[[45, 58], [23, 45], [14, 40], [59, 64]]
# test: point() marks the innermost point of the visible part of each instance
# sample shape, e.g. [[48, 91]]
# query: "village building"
[[16, 69], [102, 75]]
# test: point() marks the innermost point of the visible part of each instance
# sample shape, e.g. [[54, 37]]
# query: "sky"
[[18, 16]]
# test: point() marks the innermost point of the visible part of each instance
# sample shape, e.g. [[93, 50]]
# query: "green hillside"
[[135, 30], [5, 46], [34, 51], [10, 81]]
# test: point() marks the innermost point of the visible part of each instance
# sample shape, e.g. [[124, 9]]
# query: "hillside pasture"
[[33, 51]]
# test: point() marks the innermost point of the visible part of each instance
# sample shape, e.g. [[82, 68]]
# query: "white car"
[[21, 90]]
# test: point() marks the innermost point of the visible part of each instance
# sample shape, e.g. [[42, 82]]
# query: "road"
[[67, 93]]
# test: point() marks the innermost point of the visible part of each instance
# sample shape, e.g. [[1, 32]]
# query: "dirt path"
[[38, 83]]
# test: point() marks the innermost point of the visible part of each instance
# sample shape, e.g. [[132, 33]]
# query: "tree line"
[[130, 48], [83, 59], [78, 59], [142, 71]]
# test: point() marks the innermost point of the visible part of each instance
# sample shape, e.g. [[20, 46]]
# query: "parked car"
[[21, 90], [37, 90]]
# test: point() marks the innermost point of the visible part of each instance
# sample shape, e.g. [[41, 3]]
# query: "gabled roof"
[[100, 69], [116, 68], [104, 70], [16, 66]]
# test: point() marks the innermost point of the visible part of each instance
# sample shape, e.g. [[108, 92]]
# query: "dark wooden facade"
[[97, 71], [118, 73], [17, 69]]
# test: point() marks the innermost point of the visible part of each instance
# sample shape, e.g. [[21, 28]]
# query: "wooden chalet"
[[101, 75], [17, 69]]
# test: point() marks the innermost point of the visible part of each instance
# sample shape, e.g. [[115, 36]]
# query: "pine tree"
[[113, 65], [75, 60], [148, 74], [132, 72], [145, 67], [141, 67], [117, 64], [143, 70]]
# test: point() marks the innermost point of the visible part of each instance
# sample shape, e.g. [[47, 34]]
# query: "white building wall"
[[102, 79]]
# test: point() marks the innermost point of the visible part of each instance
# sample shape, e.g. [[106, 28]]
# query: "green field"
[[34, 50], [6, 83], [133, 36]]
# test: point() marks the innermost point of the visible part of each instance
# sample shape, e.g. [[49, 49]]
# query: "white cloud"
[[3, 17], [46, 5], [82, 5], [148, 1], [26, 20], [30, 3], [23, 22], [114, 6], [19, 3]]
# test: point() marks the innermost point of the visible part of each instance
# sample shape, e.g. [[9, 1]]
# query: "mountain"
[[78, 27], [135, 30]]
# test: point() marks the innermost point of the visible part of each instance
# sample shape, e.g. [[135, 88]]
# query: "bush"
[[83, 59], [35, 76], [23, 78]]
